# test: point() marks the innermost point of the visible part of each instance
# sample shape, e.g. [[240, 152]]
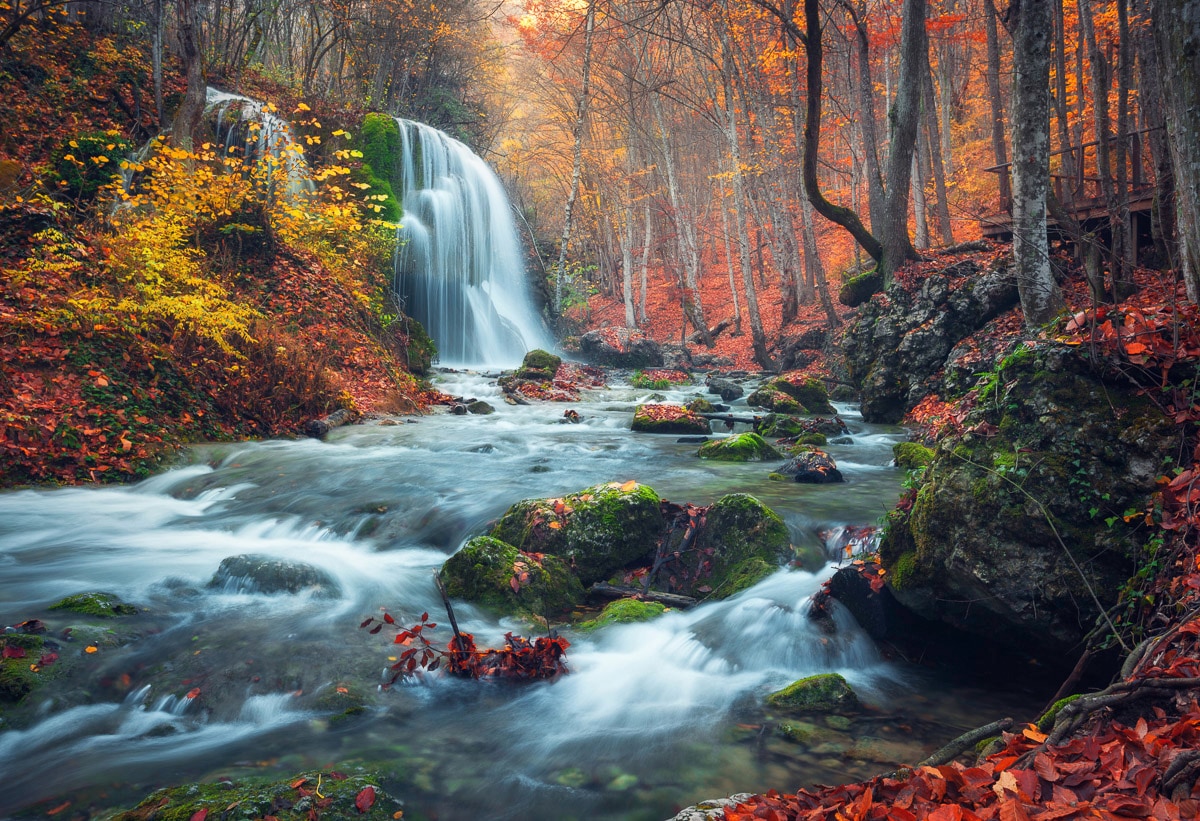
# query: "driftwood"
[[729, 417], [316, 428], [615, 591], [713, 332]]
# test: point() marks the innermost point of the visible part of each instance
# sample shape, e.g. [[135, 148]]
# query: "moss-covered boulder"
[[779, 426], [814, 467], [911, 455], [809, 391], [1017, 528], [18, 676], [857, 290], [745, 447], [624, 611], [496, 575], [774, 400], [823, 693], [539, 366], [480, 407], [741, 542], [674, 419], [96, 605], [291, 799], [597, 531], [701, 405]]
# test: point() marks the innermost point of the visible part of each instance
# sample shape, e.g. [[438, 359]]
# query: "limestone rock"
[[253, 573], [814, 467]]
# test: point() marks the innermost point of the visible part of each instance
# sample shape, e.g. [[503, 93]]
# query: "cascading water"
[[260, 133], [460, 269]]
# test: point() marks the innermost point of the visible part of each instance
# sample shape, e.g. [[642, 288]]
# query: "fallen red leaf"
[[365, 799]]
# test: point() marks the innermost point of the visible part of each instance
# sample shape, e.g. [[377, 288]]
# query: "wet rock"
[[496, 575], [822, 693], [911, 455], [252, 573], [624, 611], [596, 531], [745, 447], [815, 467], [692, 440], [620, 348], [480, 407], [458, 409], [711, 810], [775, 401], [701, 405], [538, 366], [675, 419], [843, 393], [100, 605], [901, 341], [1054, 453], [727, 389], [742, 541], [803, 732]]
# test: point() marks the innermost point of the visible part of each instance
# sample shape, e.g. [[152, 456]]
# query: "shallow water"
[[652, 717]]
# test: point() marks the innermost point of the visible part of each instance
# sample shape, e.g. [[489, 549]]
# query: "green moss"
[[1046, 722], [539, 365], [99, 605], [902, 571], [778, 477], [379, 141], [778, 426], [597, 530], [701, 405], [17, 680], [484, 570], [857, 290], [911, 455], [259, 797], [745, 447], [774, 400], [818, 439], [748, 541], [825, 692], [743, 576], [807, 390], [624, 611]]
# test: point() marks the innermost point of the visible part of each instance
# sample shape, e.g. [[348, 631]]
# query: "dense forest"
[[228, 227]]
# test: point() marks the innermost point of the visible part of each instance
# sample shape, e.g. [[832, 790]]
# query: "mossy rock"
[[816, 439], [539, 366], [903, 571], [701, 405], [97, 605], [624, 611], [745, 447], [259, 797], [597, 531], [484, 570], [774, 400], [857, 290], [742, 542], [822, 693], [778, 426], [912, 455], [673, 419], [480, 407], [17, 678], [379, 141], [809, 391]]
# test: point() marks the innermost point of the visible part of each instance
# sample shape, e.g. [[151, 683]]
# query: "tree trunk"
[[191, 110], [999, 150], [643, 273], [866, 119], [1177, 31], [1101, 73], [560, 269], [1151, 102], [941, 205], [1040, 297], [737, 308]]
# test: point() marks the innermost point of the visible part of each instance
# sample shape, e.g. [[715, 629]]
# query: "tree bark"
[[1040, 297], [1176, 26], [191, 110], [941, 204], [999, 151]]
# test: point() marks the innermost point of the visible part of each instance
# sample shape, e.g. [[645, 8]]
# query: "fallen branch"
[[968, 739], [614, 591], [713, 333], [317, 428]]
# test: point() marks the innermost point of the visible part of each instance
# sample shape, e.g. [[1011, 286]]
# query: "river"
[[652, 717]]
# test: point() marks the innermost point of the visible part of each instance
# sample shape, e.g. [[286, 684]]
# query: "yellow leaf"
[[91, 648], [303, 107], [555, 525], [628, 486], [73, 144], [1031, 732]]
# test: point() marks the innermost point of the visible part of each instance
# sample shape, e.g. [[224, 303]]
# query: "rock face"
[[1050, 459], [495, 574], [902, 340], [251, 573], [727, 389], [745, 447], [620, 348], [596, 531], [813, 467], [674, 419]]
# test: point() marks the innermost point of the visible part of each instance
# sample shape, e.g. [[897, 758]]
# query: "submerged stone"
[[745, 447], [822, 693], [495, 574], [253, 573], [99, 605]]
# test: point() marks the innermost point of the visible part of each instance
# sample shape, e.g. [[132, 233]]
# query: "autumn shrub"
[[85, 163]]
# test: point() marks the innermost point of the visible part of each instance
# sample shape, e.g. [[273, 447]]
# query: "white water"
[[248, 124], [378, 508], [460, 270]]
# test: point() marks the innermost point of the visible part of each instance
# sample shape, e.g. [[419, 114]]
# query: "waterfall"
[[271, 138], [459, 268]]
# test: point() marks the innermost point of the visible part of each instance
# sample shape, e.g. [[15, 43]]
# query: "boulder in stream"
[[620, 348], [814, 467], [253, 573], [100, 605], [745, 447], [727, 389], [496, 575], [596, 531], [674, 419], [822, 693], [741, 542]]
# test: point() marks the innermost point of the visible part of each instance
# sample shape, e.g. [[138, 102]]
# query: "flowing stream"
[[652, 717]]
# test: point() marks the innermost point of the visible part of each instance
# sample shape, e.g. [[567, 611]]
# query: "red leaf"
[[47, 659], [199, 815], [514, 584], [13, 652], [365, 799], [388, 618], [192, 693]]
